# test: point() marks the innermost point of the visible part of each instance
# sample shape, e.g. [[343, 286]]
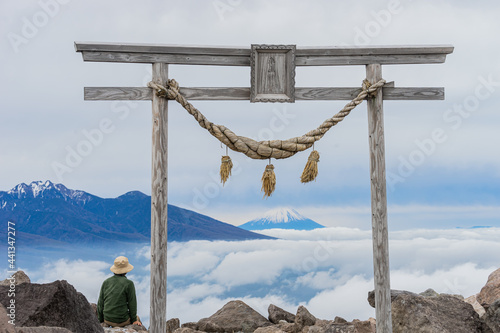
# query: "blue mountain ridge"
[[47, 213]]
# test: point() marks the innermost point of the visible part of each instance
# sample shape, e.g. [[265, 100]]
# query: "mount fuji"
[[281, 218]]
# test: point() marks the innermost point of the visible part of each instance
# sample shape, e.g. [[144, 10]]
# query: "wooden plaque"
[[272, 73]]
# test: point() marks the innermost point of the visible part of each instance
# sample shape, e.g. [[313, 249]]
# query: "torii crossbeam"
[[285, 58]]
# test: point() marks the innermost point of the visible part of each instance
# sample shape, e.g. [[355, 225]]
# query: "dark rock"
[[17, 278], [138, 328], [491, 291], [394, 294], [341, 326], [339, 320], [276, 314], [186, 330], [492, 316], [94, 308], [269, 329], [42, 329], [304, 318], [323, 322], [55, 304], [206, 325], [173, 324], [365, 326], [332, 327], [235, 316], [191, 325], [288, 327], [440, 314], [429, 293]]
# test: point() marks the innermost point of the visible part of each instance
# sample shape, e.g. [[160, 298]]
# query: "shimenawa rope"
[[277, 149]]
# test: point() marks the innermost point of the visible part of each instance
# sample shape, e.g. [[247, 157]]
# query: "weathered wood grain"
[[117, 93], [380, 233], [237, 94], [180, 59], [158, 291], [216, 60], [245, 51], [373, 50], [384, 59], [162, 48], [240, 56]]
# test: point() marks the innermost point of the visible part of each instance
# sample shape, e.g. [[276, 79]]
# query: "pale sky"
[[44, 119]]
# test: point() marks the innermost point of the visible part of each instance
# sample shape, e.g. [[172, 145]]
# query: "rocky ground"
[[58, 308]]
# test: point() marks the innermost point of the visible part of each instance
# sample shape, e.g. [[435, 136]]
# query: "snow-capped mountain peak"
[[282, 215], [281, 218], [47, 189]]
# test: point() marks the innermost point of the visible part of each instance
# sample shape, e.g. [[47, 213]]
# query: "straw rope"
[[277, 149]]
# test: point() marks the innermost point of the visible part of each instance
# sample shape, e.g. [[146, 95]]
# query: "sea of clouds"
[[330, 270]]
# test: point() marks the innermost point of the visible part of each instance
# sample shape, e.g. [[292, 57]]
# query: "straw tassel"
[[225, 169], [268, 181], [311, 169]]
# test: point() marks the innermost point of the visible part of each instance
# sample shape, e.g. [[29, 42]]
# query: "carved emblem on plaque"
[[272, 73]]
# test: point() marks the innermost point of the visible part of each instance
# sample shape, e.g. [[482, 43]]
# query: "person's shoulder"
[[109, 279]]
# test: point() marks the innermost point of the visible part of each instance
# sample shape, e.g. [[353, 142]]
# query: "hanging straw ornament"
[[225, 168], [268, 180], [311, 169]]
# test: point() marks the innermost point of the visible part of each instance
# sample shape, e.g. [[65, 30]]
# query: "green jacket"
[[117, 301]]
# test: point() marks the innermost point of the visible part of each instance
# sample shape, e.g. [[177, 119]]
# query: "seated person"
[[117, 304]]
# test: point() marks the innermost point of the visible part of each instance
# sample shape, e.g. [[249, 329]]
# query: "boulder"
[[288, 327], [276, 314], [491, 291], [429, 293], [341, 326], [269, 329], [472, 300], [440, 314], [492, 316], [304, 318], [186, 330], [282, 327], [365, 326], [5, 326], [173, 324], [55, 304], [125, 329], [394, 294], [94, 309], [191, 325], [235, 316], [17, 278]]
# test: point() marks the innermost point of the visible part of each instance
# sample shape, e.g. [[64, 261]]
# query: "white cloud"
[[348, 300], [85, 276], [329, 272]]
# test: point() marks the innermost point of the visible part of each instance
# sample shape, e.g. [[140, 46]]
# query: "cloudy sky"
[[44, 118]]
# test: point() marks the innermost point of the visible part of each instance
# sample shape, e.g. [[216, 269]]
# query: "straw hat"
[[121, 265]]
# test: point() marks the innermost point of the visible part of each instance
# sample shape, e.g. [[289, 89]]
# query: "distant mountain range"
[[48, 213], [281, 218]]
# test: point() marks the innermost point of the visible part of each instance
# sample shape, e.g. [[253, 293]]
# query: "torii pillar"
[[159, 207]]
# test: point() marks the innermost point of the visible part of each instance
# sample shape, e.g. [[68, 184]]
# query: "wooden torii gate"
[[284, 59]]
